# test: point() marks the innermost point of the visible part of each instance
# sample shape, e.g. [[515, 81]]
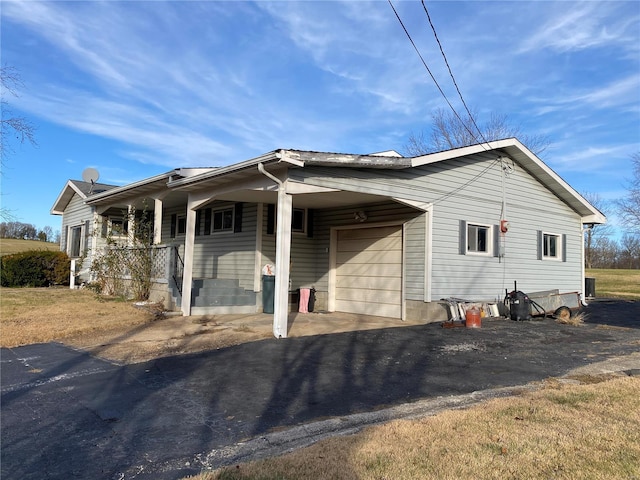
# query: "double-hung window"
[[222, 220], [298, 218], [75, 241]]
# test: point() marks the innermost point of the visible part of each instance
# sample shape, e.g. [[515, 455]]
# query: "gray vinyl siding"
[[228, 254], [219, 255], [470, 189], [530, 207], [75, 214], [310, 256], [414, 266]]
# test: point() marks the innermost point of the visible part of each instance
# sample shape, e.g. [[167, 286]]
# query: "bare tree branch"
[[448, 131], [12, 126], [629, 206]]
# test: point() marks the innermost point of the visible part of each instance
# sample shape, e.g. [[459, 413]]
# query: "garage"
[[369, 271]]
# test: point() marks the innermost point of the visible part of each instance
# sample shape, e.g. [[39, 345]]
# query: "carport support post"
[[157, 221], [189, 241], [283, 257]]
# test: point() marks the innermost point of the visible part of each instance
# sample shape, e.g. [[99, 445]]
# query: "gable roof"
[[512, 148], [179, 180], [80, 188]]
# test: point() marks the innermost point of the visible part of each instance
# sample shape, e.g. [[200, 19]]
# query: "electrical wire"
[[433, 29], [466, 184], [475, 137]]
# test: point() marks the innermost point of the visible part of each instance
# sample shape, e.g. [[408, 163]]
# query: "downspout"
[[270, 175], [583, 294], [283, 256]]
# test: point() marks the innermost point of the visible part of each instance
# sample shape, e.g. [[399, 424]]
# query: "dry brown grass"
[[108, 327], [36, 315], [560, 431], [575, 320]]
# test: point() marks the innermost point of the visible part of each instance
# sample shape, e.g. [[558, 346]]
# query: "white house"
[[375, 234]]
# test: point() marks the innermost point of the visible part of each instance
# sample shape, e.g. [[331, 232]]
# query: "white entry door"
[[369, 271]]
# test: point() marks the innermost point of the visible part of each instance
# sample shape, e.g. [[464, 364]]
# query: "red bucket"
[[473, 318]]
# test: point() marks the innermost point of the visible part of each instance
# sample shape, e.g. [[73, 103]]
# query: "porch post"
[[131, 234], [283, 257], [189, 241], [157, 221]]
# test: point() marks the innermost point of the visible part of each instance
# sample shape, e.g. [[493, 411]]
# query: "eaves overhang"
[[392, 161], [515, 150], [247, 167], [76, 187], [138, 189]]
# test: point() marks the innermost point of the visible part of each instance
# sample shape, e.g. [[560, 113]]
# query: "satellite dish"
[[90, 175]]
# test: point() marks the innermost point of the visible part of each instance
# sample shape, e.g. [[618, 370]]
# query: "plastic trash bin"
[[268, 293], [590, 287]]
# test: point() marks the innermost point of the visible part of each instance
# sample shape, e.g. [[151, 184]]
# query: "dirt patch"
[[166, 337]]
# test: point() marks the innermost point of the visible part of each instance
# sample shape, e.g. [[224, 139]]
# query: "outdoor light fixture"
[[360, 216]]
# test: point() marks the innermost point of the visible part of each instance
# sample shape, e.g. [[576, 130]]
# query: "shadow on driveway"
[[68, 415]]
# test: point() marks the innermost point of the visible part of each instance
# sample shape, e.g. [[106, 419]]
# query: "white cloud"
[[573, 26], [574, 155]]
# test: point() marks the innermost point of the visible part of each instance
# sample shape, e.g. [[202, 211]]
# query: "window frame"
[[181, 225], [546, 246], [488, 252], [72, 244], [223, 230], [303, 229], [123, 232]]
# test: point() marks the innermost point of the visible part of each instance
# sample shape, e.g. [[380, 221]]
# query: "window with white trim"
[[117, 227], [551, 246], [298, 220], [222, 220], [478, 239], [75, 241]]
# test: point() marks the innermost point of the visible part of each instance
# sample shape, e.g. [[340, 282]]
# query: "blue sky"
[[136, 88]]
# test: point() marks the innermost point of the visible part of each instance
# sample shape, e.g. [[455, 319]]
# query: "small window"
[[118, 227], [75, 241], [550, 246], [298, 220], [182, 225], [478, 240], [222, 220]]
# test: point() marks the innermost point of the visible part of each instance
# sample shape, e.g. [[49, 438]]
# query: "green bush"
[[35, 268]]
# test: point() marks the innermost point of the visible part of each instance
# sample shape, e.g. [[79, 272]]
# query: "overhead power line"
[[424, 63], [433, 28]]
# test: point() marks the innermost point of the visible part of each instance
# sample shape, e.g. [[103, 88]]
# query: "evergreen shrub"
[[35, 268]]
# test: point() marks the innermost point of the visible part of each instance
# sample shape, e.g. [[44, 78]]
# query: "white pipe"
[[269, 175]]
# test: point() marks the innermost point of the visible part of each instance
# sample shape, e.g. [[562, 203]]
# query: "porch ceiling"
[[305, 200]]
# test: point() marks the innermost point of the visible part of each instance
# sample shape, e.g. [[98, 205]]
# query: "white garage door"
[[369, 271]]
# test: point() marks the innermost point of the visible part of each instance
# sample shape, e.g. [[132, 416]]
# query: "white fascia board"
[[218, 172], [461, 152], [58, 209], [532, 163], [287, 157], [595, 216], [192, 172], [126, 188]]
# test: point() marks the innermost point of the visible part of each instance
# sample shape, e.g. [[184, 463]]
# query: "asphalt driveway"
[[68, 415]]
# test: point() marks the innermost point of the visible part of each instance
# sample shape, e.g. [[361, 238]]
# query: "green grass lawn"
[[616, 283], [12, 245]]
